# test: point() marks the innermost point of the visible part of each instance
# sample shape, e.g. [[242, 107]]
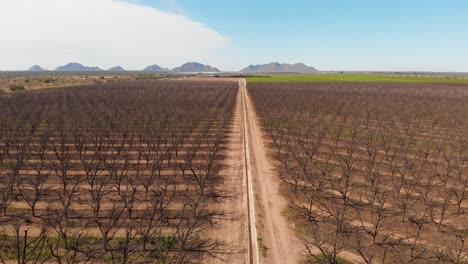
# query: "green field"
[[355, 78]]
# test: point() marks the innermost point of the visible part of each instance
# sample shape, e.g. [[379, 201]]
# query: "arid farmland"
[[218, 170], [119, 172], [374, 172]]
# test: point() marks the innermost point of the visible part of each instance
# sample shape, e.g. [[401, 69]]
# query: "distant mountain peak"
[[74, 66], [195, 67], [116, 69], [276, 67], [36, 68], [155, 68]]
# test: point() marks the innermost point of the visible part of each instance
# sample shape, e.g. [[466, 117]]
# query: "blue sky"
[[337, 35], [388, 35]]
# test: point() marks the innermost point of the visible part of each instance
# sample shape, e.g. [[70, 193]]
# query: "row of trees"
[[118, 172], [377, 172]]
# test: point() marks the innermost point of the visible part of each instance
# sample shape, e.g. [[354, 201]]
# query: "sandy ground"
[[275, 232]]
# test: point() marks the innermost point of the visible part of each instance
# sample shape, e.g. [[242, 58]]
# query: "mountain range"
[[193, 67], [276, 67], [73, 66]]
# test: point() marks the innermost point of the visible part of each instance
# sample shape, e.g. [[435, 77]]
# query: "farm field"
[[27, 81], [218, 170], [356, 78], [374, 172], [140, 171]]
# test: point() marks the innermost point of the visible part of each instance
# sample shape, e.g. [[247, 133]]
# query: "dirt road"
[[277, 242], [254, 226], [253, 250], [231, 228]]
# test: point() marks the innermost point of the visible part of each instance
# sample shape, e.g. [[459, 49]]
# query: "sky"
[[351, 35]]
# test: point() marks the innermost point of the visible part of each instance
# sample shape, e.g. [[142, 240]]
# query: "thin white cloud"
[[102, 33]]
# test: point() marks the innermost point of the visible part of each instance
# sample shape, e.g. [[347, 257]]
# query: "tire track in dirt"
[[278, 242], [253, 253]]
